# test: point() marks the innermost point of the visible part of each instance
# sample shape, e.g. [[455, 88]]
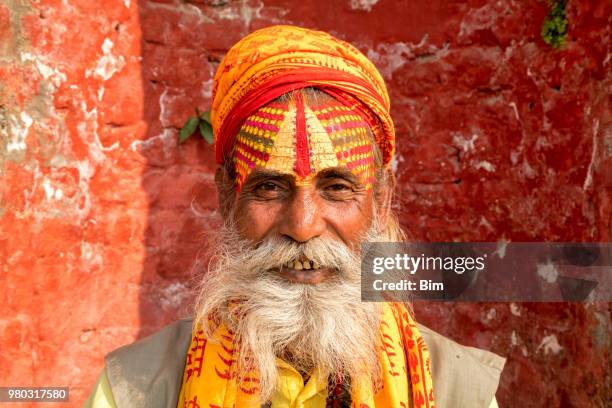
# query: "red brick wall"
[[101, 213]]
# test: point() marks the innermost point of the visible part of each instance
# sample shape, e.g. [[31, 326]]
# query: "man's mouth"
[[304, 270]]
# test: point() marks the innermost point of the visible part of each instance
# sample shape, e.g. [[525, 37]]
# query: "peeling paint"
[[164, 99], [589, 176], [248, 11], [602, 331], [514, 309], [92, 254], [185, 9], [207, 88], [482, 18], [515, 110], [50, 191], [108, 65], [548, 272], [100, 93], [389, 57], [485, 223], [48, 72], [514, 340], [527, 170], [395, 160], [365, 5], [465, 144], [485, 165], [173, 295], [227, 13], [86, 172], [550, 344], [167, 138], [16, 133], [489, 316], [501, 248]]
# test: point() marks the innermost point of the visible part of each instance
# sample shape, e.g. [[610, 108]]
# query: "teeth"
[[304, 264]]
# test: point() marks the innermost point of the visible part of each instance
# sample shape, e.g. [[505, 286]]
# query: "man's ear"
[[225, 188], [384, 197]]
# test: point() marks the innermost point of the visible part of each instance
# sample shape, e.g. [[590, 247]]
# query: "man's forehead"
[[304, 137]]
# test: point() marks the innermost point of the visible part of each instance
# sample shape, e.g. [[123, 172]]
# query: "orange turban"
[[275, 60]]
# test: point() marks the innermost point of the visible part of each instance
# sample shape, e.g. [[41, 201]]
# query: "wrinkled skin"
[[331, 204]]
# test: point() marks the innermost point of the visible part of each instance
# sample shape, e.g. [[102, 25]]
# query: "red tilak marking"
[[302, 156]]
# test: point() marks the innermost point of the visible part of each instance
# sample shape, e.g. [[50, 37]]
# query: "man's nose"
[[303, 218]]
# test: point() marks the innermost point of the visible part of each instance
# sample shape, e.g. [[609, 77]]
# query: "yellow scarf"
[[209, 381]]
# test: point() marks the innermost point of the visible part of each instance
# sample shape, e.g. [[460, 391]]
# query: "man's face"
[[333, 204], [305, 169]]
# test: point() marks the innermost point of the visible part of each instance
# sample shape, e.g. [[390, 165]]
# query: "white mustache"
[[275, 253]]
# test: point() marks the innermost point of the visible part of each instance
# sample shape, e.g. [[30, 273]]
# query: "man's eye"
[[268, 186], [338, 187]]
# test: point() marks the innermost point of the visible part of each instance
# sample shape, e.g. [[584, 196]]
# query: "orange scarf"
[[209, 380]]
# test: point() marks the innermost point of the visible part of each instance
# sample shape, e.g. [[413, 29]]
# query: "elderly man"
[[304, 138]]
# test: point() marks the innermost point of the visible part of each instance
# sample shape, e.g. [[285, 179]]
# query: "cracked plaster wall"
[[101, 212]]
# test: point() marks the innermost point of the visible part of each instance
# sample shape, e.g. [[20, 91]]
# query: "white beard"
[[323, 326]]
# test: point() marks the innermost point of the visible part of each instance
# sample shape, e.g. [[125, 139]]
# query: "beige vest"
[[148, 373]]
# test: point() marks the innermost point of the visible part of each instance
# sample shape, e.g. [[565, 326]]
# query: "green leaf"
[[205, 116], [206, 131], [188, 128], [554, 26]]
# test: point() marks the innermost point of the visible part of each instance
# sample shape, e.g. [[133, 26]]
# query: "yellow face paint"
[[299, 138]]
